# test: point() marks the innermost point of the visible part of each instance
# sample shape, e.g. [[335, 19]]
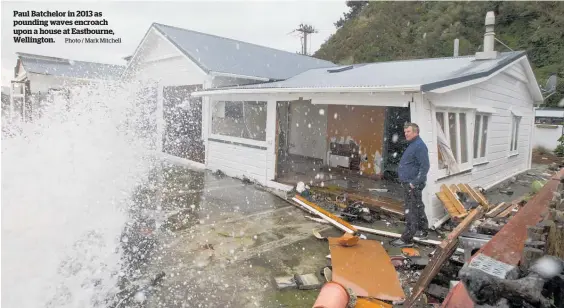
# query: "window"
[[454, 125], [480, 137], [514, 135], [549, 120], [239, 119]]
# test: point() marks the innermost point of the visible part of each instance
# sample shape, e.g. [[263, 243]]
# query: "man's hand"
[[411, 185]]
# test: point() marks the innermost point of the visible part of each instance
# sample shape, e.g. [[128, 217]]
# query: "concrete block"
[[285, 282], [307, 281]]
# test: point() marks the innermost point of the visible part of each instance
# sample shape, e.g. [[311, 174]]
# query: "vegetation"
[[384, 31], [559, 151]]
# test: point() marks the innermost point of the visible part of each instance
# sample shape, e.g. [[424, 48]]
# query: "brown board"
[[366, 269]]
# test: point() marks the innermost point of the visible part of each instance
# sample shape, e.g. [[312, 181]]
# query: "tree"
[[386, 30], [355, 7]]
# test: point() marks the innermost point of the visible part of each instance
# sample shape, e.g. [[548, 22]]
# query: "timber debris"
[[471, 248]]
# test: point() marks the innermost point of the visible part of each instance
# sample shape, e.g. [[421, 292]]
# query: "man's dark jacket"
[[414, 163]]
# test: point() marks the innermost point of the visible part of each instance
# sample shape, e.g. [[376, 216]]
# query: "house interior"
[[353, 147]]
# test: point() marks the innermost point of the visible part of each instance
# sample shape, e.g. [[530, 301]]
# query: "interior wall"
[[364, 125], [308, 128]]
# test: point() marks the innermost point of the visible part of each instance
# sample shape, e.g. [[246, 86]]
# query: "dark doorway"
[[394, 141], [183, 123]]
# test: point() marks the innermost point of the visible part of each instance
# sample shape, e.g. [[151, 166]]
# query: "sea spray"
[[67, 179]]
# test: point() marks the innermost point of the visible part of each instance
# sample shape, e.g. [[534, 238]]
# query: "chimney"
[[456, 44], [489, 39]]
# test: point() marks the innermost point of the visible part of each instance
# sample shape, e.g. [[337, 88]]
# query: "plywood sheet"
[[371, 303], [364, 124], [365, 268]]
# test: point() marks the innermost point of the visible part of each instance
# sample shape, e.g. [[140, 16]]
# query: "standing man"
[[412, 172]]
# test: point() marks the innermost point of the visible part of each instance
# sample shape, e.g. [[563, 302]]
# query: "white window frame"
[[516, 119], [245, 141], [479, 160], [464, 167]]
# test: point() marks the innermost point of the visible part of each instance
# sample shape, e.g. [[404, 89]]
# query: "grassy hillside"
[[383, 31]]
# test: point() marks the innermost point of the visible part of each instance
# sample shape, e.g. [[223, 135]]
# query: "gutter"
[[412, 88]]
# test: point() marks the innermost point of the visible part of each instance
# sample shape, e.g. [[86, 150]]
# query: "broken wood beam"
[[498, 209], [334, 220], [508, 210], [443, 252], [375, 203]]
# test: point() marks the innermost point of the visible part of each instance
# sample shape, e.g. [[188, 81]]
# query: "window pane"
[[452, 133], [463, 138], [484, 136], [240, 119], [476, 135], [441, 119]]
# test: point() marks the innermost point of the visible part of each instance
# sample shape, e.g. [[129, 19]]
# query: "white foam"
[[66, 183]]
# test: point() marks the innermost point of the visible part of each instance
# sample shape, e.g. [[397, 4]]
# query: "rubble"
[[473, 222]]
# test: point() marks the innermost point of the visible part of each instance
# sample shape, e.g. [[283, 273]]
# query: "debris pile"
[[484, 249], [522, 264]]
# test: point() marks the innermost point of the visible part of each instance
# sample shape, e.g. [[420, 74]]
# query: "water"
[[67, 181]]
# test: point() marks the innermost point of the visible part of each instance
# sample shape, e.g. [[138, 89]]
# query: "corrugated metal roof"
[[224, 55], [427, 74], [70, 68]]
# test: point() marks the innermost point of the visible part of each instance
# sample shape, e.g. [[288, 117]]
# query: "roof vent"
[[489, 39], [340, 69]]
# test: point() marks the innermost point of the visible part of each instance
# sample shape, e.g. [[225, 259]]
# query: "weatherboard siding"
[[505, 94], [161, 61], [238, 160]]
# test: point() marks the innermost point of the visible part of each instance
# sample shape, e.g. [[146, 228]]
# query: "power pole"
[[305, 30]]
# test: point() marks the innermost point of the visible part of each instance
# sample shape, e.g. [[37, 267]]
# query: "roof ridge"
[[239, 41], [47, 58], [438, 58]]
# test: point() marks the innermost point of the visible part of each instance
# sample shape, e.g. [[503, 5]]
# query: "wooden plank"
[[503, 206], [449, 206], [371, 303], [507, 211], [338, 220], [452, 211], [443, 252], [453, 198], [465, 188], [374, 203], [507, 245], [365, 268], [482, 199], [491, 210]]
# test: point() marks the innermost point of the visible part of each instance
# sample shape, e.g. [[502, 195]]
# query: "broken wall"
[[308, 128], [364, 125]]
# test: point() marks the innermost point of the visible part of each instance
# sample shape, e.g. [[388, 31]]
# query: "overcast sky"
[[265, 23]]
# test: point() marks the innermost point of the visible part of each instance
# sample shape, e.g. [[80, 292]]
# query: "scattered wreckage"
[[506, 254]]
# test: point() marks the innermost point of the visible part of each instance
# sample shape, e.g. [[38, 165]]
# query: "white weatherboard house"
[[171, 63], [549, 127], [351, 117], [36, 76]]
